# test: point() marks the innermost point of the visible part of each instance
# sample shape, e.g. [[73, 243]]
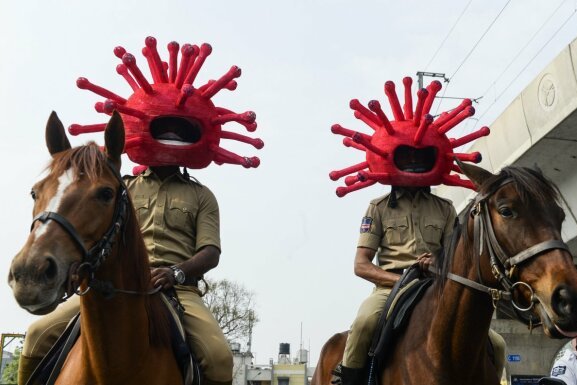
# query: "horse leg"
[[331, 355]]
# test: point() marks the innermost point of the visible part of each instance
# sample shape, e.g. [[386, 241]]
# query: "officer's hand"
[[163, 277], [425, 260]]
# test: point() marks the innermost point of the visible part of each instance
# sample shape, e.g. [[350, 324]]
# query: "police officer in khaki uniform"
[[179, 219], [406, 226]]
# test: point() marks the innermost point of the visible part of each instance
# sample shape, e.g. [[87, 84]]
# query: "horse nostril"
[[51, 269], [564, 301]]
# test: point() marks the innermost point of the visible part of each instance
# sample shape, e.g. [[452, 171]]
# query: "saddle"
[[49, 368], [405, 294]]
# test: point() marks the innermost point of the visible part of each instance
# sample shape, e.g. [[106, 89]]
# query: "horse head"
[[78, 209], [516, 223]]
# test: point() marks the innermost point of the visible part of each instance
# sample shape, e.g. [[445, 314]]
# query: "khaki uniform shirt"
[[177, 216], [417, 225]]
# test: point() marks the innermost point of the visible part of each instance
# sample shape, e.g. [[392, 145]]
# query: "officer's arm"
[[366, 269]]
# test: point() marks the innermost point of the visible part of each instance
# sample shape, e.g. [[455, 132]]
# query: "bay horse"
[[508, 247], [85, 235]]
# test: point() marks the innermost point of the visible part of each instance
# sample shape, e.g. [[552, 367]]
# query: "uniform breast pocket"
[[433, 231], [396, 230], [141, 207], [179, 215]]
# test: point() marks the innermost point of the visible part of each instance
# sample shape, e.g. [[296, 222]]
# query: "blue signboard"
[[514, 357]]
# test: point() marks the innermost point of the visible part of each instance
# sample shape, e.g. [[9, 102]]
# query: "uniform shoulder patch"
[[366, 224], [558, 370]]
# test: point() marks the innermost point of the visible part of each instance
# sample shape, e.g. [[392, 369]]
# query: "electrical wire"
[[527, 65], [448, 34]]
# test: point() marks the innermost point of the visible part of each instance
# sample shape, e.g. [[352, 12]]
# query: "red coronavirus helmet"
[[170, 121], [412, 149]]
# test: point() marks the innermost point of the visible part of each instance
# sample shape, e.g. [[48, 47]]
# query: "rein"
[[93, 258], [502, 266]]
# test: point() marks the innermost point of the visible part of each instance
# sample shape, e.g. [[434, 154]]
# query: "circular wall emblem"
[[547, 92]]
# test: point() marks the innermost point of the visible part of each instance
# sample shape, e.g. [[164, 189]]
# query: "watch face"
[[179, 276]]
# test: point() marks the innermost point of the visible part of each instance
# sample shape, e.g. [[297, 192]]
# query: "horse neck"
[[124, 317], [463, 315]]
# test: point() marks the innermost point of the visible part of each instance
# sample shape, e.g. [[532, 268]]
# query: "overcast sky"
[[285, 234]]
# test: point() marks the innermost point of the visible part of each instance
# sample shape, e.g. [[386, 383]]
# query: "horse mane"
[[90, 162], [531, 185]]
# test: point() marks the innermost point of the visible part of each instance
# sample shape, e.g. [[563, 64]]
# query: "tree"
[[10, 372], [233, 307]]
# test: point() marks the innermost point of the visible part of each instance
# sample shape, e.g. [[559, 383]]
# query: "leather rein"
[[502, 266], [97, 254]]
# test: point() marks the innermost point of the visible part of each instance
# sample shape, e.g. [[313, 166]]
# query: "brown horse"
[[508, 248], [85, 235]]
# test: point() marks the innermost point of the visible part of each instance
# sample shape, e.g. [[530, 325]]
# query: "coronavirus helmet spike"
[[169, 121], [411, 150]]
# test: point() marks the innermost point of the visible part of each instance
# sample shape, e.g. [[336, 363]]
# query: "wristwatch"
[[178, 274]]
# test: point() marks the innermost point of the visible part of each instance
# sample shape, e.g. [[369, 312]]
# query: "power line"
[[527, 65], [448, 34], [481, 38], [524, 47]]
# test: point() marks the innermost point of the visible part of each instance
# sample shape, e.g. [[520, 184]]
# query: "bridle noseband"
[[93, 258]]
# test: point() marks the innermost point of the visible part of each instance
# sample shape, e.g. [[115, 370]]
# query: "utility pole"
[[421, 74]]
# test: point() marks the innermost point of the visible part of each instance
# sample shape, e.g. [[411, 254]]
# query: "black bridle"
[[502, 265], [97, 254]]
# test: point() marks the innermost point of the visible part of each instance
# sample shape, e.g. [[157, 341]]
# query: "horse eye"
[[105, 194], [33, 194], [506, 212]]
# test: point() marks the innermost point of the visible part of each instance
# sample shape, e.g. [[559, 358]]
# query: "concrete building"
[[538, 128], [286, 371]]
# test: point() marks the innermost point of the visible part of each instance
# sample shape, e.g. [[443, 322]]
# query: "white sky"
[[286, 236]]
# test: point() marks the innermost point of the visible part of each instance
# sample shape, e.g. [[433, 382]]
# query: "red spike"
[[119, 52], [454, 180], [348, 142], [172, 47], [137, 170], [361, 138], [367, 121], [375, 106], [469, 111], [408, 107], [446, 116], [231, 86], [340, 130], [456, 168], [342, 191], [474, 157], [150, 60], [433, 89], [250, 126], [421, 96], [425, 123], [245, 117], [233, 73], [363, 111], [110, 106], [188, 54], [99, 107], [352, 179], [394, 101], [205, 50], [384, 177], [186, 91], [483, 131], [255, 142], [338, 174], [84, 84], [122, 70], [225, 156], [130, 62], [76, 129], [158, 65]]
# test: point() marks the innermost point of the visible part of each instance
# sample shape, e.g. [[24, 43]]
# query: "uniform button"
[[160, 205]]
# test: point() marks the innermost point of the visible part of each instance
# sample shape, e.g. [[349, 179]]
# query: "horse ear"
[[476, 174], [114, 138], [56, 139]]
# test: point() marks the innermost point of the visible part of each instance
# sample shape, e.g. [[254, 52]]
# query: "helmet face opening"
[[415, 160], [175, 130]]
